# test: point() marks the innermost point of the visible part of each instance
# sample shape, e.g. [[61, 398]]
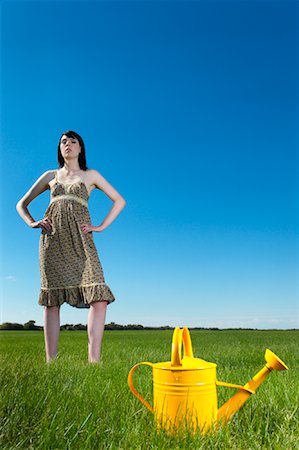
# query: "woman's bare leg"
[[95, 328], [51, 330]]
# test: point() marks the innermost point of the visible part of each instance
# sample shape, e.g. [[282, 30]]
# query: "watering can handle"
[[180, 335], [132, 387]]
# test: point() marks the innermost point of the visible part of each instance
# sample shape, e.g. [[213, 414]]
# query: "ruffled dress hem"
[[77, 296]]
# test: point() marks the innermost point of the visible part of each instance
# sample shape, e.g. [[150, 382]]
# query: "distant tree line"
[[30, 325]]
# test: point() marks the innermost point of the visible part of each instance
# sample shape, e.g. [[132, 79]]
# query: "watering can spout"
[[235, 403]]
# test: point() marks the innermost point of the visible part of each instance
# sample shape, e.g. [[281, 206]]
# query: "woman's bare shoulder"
[[50, 177], [95, 179], [91, 174], [91, 171], [47, 176]]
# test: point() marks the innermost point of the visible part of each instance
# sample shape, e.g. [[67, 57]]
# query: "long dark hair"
[[81, 157]]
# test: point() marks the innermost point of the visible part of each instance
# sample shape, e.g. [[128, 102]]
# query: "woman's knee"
[[99, 306], [52, 309]]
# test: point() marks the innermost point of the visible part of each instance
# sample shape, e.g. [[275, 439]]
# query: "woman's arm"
[[36, 189], [119, 202]]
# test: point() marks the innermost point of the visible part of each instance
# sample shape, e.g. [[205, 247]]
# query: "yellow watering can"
[[185, 389]]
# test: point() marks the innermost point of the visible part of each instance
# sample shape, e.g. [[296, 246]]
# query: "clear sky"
[[190, 110]]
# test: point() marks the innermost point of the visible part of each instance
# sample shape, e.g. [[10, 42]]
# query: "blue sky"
[[189, 109]]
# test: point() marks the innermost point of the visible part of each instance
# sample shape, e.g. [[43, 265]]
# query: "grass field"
[[70, 404]]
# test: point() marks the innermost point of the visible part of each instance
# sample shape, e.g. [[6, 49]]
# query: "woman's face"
[[69, 147]]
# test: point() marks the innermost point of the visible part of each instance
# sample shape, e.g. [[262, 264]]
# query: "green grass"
[[70, 404]]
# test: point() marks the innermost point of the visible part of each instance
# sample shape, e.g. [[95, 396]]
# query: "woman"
[[69, 264]]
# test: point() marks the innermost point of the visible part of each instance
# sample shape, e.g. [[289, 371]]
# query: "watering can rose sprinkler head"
[[185, 390]]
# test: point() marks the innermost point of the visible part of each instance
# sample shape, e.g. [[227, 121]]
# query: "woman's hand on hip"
[[45, 224], [87, 228]]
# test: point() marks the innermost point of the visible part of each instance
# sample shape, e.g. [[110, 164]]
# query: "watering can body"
[[184, 395], [185, 389]]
